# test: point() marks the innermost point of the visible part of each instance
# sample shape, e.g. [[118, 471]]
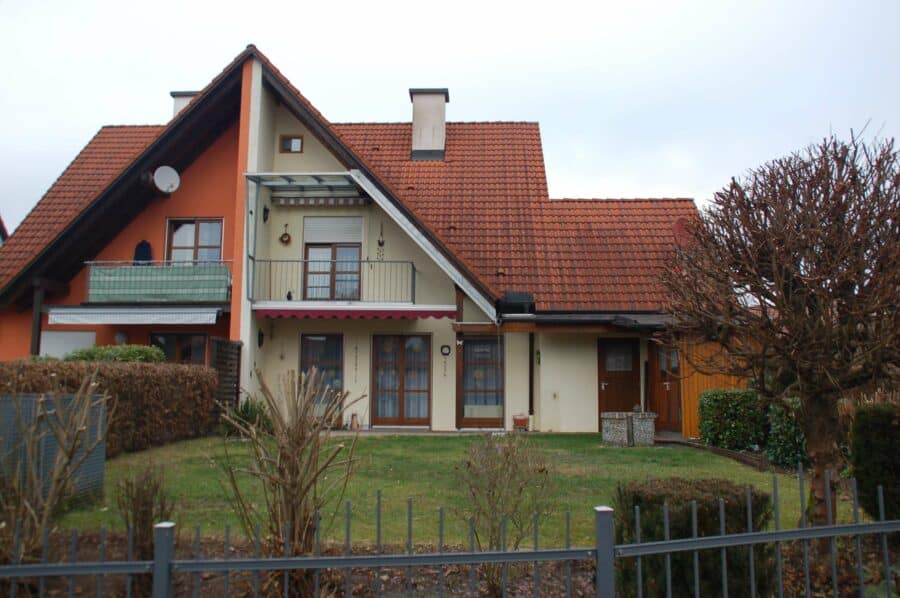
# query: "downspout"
[[36, 315], [530, 373]]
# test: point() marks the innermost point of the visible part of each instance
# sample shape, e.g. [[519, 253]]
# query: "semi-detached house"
[[421, 264]]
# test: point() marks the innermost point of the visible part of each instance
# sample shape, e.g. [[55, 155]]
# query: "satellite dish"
[[166, 179]]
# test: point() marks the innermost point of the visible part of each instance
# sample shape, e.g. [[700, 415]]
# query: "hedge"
[[651, 495], [155, 403], [874, 450], [733, 419], [146, 353], [785, 442]]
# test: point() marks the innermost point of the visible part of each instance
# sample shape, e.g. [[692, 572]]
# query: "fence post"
[[163, 551], [605, 541]]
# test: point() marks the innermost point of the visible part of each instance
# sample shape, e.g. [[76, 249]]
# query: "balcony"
[[350, 281], [159, 282]]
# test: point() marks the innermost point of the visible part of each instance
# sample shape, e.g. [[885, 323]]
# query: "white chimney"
[[429, 122], [180, 99]]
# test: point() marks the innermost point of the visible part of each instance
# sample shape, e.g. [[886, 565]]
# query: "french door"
[[401, 384], [480, 388]]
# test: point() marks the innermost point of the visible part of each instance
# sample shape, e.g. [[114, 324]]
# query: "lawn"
[[421, 468]]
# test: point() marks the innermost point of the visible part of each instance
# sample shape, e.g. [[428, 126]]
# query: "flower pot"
[[520, 423]]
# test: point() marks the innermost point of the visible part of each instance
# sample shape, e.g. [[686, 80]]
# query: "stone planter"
[[628, 428]]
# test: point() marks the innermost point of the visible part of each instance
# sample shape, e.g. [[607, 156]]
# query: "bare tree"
[[794, 272]]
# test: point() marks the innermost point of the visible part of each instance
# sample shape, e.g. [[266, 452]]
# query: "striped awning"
[[101, 314]]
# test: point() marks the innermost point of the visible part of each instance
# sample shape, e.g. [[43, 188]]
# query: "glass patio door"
[[481, 389], [401, 371]]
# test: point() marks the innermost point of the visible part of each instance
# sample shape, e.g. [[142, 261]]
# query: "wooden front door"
[[619, 374], [401, 380], [665, 387]]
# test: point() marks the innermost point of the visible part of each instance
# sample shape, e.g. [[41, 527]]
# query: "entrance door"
[[619, 375], [665, 387], [401, 380]]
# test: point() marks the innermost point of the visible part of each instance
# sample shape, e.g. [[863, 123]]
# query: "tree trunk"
[[823, 434]]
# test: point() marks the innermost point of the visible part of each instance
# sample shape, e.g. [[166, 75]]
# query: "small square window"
[[291, 144]]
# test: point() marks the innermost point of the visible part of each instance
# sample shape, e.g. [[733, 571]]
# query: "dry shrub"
[[143, 501], [297, 467], [156, 403], [33, 489], [505, 479]]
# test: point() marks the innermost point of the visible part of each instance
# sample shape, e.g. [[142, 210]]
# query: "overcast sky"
[[634, 99]]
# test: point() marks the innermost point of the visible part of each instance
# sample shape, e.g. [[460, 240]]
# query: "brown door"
[[665, 387], [619, 375]]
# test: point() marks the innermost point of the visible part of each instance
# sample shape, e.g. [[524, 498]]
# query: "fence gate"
[[226, 360]]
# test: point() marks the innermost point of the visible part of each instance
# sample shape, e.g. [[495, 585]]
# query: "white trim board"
[[425, 244]]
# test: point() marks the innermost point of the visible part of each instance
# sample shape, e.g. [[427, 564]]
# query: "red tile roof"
[[487, 201]]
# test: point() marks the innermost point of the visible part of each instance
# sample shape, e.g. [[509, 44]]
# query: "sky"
[[634, 99]]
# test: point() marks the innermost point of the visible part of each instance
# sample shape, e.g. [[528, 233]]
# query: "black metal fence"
[[456, 570]]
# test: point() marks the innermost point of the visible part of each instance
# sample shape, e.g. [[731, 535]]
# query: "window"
[[332, 271], [619, 356], [402, 379], [483, 378], [325, 353], [195, 241], [181, 347], [290, 144]]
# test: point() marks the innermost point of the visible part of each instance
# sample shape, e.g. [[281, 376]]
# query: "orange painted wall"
[[208, 189], [693, 383]]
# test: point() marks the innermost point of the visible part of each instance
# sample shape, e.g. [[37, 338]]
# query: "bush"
[[786, 443], [874, 450], [248, 412], [501, 476], [651, 495], [142, 353], [143, 501], [733, 419], [154, 403]]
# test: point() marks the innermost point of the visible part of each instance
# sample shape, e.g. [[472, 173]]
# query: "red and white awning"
[[350, 310]]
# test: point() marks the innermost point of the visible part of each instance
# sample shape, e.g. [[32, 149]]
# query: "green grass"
[[421, 468]]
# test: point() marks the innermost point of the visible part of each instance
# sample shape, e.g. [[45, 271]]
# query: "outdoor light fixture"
[[260, 337], [265, 213]]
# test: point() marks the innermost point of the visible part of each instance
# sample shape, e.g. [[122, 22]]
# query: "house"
[[421, 264]]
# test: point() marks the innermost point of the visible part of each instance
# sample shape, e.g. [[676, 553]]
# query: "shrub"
[[142, 353], [732, 419], [143, 501], [678, 493], [296, 467], [874, 447], [34, 484], [503, 476], [155, 403], [786, 443], [249, 411]]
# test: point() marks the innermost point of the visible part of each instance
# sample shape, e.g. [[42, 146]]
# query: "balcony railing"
[[159, 282], [368, 281]]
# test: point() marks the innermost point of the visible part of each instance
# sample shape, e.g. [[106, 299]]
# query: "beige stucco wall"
[[432, 285], [473, 313], [515, 376], [281, 352], [566, 381], [315, 157]]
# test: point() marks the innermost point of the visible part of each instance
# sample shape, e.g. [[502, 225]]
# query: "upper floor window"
[[332, 271], [195, 240]]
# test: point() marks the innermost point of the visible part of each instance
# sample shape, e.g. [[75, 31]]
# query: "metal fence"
[[368, 281], [599, 563]]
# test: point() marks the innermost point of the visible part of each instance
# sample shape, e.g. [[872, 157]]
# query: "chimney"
[[180, 99], [429, 122]]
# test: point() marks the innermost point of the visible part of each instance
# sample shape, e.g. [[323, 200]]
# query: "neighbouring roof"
[[487, 202]]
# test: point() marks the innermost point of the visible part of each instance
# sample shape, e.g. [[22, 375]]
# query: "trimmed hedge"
[[155, 403], [875, 457], [785, 443], [650, 496], [145, 353], [733, 419]]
